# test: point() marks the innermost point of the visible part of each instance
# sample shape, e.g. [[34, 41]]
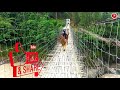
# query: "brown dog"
[[63, 41]]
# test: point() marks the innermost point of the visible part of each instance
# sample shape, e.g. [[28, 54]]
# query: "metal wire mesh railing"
[[26, 38], [101, 45], [43, 46]]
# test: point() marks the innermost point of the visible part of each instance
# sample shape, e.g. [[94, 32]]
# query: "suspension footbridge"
[[83, 58], [64, 64]]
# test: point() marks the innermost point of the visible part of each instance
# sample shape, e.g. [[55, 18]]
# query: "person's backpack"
[[64, 31]]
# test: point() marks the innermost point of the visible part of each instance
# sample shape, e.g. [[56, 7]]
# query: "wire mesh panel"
[[100, 44], [28, 28]]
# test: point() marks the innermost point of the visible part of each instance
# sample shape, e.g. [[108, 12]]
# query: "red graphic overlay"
[[31, 57], [114, 16], [31, 65], [32, 47]]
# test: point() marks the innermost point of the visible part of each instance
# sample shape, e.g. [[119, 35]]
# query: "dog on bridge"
[[64, 38]]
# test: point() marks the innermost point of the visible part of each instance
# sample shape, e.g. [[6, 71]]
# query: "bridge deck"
[[64, 63]]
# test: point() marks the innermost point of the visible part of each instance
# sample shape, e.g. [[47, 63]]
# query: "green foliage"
[[97, 49], [5, 23], [29, 27]]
